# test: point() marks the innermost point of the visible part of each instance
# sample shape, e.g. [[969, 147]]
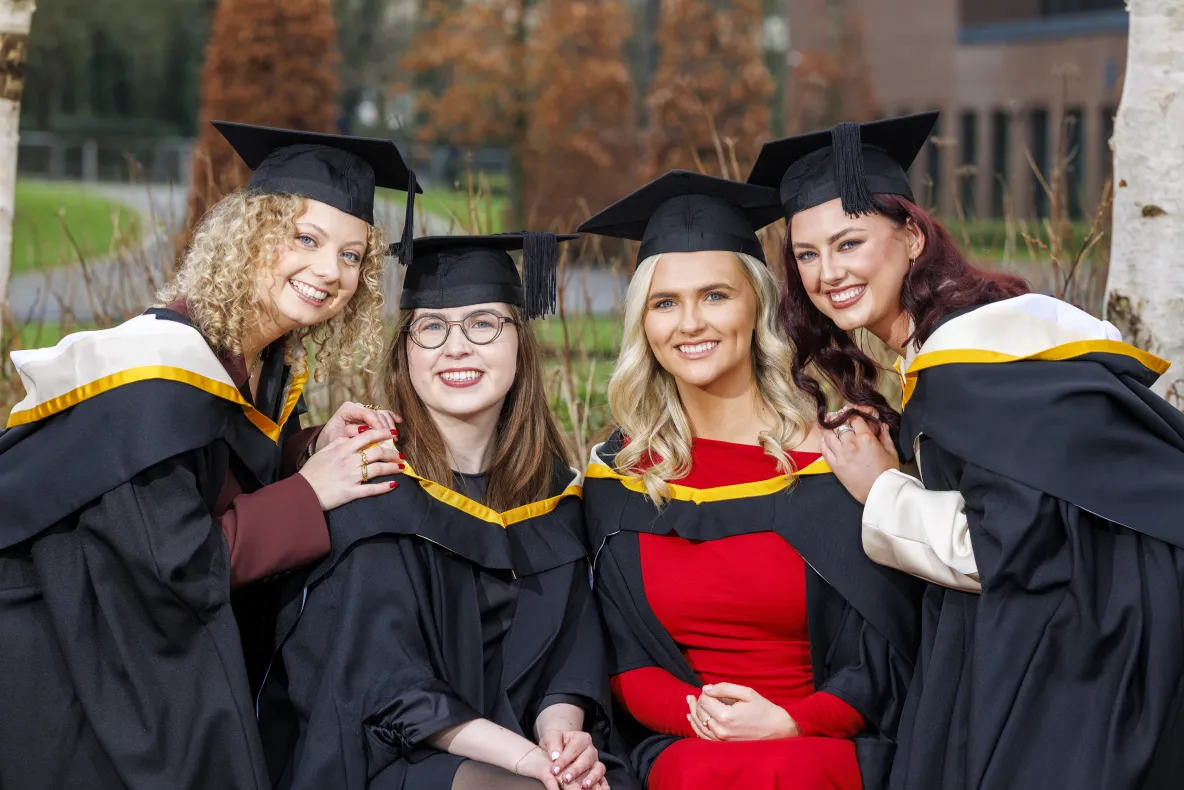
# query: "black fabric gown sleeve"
[[122, 648], [1067, 670], [856, 663], [379, 671], [577, 672]]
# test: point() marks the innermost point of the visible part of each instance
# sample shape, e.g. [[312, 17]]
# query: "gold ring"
[[370, 406], [365, 472], [707, 721]]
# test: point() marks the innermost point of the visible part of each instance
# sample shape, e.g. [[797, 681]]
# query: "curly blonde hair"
[[644, 398], [242, 235]]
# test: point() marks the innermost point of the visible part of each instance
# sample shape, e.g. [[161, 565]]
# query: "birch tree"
[[15, 18], [1145, 289]]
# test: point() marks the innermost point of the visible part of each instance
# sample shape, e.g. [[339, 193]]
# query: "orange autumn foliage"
[[709, 100], [271, 62], [545, 79]]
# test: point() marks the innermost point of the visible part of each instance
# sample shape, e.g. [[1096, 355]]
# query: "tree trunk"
[[15, 18], [1145, 289]]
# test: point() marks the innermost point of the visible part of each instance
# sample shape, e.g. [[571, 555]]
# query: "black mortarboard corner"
[[454, 271], [683, 211], [852, 161], [333, 169]]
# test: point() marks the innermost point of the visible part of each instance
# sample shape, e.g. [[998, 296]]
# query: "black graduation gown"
[[862, 617], [120, 660], [381, 646], [1067, 670]]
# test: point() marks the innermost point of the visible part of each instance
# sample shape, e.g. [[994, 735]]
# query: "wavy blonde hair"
[[237, 240], [644, 400]]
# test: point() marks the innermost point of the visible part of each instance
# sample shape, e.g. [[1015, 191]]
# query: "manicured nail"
[[400, 456], [402, 467], [567, 777], [555, 770], [690, 700], [394, 432], [394, 484], [555, 756], [587, 783], [363, 428]]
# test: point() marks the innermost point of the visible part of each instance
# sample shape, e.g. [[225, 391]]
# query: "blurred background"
[[536, 113]]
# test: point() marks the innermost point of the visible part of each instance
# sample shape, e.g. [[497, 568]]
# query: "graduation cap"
[[337, 170], [852, 161], [683, 211], [454, 271]]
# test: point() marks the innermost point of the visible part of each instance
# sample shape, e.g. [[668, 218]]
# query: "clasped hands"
[[730, 712], [565, 759]]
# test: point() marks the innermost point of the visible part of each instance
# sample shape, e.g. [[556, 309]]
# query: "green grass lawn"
[[55, 223], [595, 335], [988, 238], [454, 207]]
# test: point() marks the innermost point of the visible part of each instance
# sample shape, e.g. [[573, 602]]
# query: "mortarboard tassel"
[[540, 260], [407, 243], [849, 173]]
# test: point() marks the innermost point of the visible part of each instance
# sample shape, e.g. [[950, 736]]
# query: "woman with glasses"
[[450, 640]]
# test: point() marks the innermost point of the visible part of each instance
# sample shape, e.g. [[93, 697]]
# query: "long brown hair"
[[940, 282], [525, 441]]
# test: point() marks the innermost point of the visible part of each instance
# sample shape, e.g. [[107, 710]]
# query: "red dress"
[[736, 607]]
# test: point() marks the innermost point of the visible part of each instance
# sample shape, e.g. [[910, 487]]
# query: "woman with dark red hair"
[[1049, 517]]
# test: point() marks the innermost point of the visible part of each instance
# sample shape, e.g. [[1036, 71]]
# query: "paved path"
[[102, 290]]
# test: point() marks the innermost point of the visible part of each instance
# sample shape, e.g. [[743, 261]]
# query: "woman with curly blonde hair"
[[122, 663], [752, 643]]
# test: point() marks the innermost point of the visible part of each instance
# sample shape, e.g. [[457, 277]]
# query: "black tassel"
[[407, 243], [540, 262], [850, 177]]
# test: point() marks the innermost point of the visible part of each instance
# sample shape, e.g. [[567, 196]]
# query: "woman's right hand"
[[335, 471], [537, 765]]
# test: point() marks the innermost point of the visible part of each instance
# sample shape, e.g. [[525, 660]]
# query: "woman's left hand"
[[574, 759], [352, 419], [730, 712], [858, 455]]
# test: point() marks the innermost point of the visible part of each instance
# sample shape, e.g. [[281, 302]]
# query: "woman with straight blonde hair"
[[154, 466], [752, 643]]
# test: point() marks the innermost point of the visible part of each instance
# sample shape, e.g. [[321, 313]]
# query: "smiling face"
[[700, 317], [852, 268], [317, 271], [462, 379]]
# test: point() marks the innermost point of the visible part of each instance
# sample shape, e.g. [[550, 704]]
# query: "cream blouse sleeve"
[[921, 532]]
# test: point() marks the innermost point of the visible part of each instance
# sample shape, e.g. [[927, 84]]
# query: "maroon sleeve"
[[294, 448], [278, 527]]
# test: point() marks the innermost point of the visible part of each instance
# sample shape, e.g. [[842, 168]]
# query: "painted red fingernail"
[[363, 428], [394, 484], [394, 432], [400, 456]]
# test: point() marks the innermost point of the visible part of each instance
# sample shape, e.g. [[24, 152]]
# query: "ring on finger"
[[370, 406], [844, 428], [707, 720], [365, 471]]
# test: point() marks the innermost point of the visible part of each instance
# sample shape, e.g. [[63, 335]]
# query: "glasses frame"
[[502, 321]]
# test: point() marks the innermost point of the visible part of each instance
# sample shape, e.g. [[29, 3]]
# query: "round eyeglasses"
[[481, 327]]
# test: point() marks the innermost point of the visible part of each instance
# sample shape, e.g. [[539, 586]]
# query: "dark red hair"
[[941, 281]]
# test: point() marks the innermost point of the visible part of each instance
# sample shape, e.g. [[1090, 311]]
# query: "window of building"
[[1106, 156], [1038, 145], [967, 177], [1074, 131], [933, 168], [1000, 161], [1057, 7]]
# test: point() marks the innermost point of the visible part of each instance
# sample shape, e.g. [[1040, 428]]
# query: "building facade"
[[1019, 82]]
